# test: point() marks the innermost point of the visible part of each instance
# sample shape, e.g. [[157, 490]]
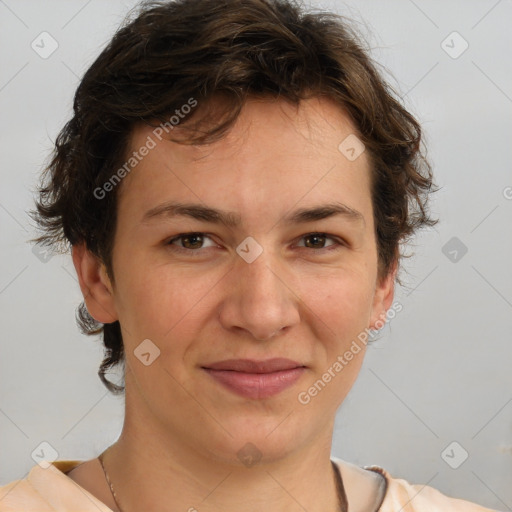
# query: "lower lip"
[[257, 385]]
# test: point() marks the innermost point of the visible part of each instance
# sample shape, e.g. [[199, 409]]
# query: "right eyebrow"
[[193, 210]]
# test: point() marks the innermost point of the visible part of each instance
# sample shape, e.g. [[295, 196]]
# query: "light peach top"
[[50, 490]]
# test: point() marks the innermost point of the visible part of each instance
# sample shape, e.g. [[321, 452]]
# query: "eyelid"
[[338, 242], [336, 239], [191, 233]]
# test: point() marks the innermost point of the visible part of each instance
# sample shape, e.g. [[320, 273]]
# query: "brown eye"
[[315, 241], [322, 242], [192, 241]]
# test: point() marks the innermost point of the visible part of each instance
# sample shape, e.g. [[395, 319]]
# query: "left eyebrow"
[[303, 215], [232, 219]]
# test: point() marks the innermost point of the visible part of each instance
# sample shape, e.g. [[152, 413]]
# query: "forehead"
[[276, 155], [318, 123]]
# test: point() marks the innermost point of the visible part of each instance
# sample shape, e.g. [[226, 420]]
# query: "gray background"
[[441, 370]]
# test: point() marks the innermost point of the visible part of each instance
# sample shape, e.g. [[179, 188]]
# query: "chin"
[[252, 441], [251, 453]]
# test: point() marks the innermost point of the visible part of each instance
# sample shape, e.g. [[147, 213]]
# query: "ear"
[[95, 284], [383, 298]]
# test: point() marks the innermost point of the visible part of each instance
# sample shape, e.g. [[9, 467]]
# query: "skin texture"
[[182, 429]]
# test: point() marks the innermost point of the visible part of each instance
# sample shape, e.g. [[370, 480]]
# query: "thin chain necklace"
[[108, 481], [342, 496]]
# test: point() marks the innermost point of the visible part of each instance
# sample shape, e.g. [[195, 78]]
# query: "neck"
[[152, 472], [142, 482]]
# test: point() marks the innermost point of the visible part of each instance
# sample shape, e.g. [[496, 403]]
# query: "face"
[[251, 293]]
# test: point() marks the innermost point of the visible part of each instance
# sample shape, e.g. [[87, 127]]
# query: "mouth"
[[256, 379]]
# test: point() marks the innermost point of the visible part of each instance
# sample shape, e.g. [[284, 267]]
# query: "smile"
[[256, 379]]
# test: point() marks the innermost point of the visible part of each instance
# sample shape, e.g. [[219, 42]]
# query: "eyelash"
[[338, 244]]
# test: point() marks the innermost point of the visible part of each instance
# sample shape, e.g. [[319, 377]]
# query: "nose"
[[260, 300]]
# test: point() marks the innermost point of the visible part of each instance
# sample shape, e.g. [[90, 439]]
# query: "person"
[[235, 185]]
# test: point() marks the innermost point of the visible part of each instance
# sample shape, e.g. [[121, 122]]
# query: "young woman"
[[234, 184]]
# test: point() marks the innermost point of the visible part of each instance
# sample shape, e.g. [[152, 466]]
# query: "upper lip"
[[253, 366]]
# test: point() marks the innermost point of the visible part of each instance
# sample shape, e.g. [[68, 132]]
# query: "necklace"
[[100, 457], [342, 496]]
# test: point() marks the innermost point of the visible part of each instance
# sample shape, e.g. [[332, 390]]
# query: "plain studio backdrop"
[[433, 403]]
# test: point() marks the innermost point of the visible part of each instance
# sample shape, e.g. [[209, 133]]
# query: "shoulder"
[[401, 495], [20, 495], [46, 489]]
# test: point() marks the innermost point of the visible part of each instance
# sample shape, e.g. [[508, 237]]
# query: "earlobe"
[[94, 284], [383, 299]]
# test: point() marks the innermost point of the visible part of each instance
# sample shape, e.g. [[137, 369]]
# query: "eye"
[[318, 240], [190, 241]]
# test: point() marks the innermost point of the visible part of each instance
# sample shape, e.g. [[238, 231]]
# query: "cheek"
[[342, 303], [161, 302], [340, 307]]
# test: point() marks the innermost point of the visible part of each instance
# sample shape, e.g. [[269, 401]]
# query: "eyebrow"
[[232, 219]]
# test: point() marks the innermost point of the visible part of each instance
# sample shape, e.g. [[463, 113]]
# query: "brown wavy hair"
[[166, 52]]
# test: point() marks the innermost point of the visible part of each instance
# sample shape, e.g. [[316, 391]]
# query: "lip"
[[256, 379]]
